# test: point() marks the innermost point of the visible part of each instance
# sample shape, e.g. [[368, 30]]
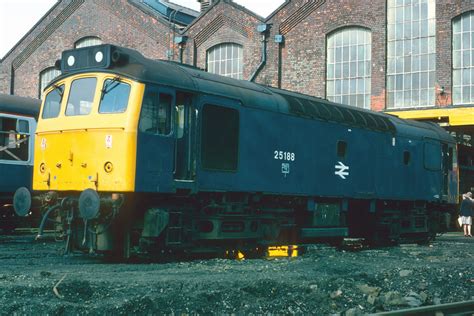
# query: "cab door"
[[445, 171], [185, 156], [450, 174], [156, 141]]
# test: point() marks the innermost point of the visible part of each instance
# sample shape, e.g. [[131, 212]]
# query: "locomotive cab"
[[86, 132]]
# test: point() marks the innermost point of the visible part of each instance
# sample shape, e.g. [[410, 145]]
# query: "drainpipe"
[[181, 41], [262, 29], [172, 24], [12, 81], [279, 39]]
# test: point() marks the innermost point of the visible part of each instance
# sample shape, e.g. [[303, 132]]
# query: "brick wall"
[[305, 26], [114, 21], [446, 11], [225, 22], [299, 64]]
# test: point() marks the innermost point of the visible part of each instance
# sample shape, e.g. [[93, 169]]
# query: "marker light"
[[92, 57], [71, 60], [108, 167], [99, 56]]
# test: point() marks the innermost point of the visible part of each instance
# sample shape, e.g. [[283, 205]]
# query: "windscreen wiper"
[[109, 86], [60, 90]]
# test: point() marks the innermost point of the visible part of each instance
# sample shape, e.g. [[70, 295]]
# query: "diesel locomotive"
[[17, 126], [134, 154]]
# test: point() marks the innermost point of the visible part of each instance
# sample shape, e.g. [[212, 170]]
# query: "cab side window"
[[52, 104], [155, 117], [341, 149], [14, 139], [432, 156]]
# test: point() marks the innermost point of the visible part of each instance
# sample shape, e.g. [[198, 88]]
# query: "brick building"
[[146, 25], [376, 54]]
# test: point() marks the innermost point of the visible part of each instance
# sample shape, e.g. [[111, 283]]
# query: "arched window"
[[348, 66], [88, 41], [411, 50], [46, 76], [463, 59], [226, 60]]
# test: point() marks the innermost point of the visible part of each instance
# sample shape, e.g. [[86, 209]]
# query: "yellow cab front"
[[86, 135]]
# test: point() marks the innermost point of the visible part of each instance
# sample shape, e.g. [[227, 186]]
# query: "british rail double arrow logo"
[[341, 170]]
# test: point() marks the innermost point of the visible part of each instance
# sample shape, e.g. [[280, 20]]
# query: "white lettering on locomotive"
[[284, 155], [108, 141], [285, 168]]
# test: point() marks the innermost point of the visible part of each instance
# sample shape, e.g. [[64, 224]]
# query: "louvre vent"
[[205, 4]]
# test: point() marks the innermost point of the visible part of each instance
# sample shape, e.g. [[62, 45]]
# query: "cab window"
[[81, 96], [451, 158], [432, 156], [341, 149], [114, 96], [156, 112], [14, 135], [179, 121], [52, 103]]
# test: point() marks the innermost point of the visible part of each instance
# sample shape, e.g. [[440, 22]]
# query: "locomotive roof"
[[19, 105], [131, 63]]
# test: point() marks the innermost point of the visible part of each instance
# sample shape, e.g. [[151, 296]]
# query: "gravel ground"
[[322, 281]]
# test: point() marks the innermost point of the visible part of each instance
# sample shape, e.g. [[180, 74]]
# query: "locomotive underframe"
[[220, 222], [8, 220]]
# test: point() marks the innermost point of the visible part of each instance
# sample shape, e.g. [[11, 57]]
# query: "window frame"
[[427, 155], [341, 149], [59, 87], [201, 140], [406, 157], [159, 91], [102, 95], [458, 90], [239, 59], [78, 43], [406, 61], [43, 73], [358, 66], [70, 91], [29, 143]]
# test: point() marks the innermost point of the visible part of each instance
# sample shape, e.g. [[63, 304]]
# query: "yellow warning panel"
[[447, 116]]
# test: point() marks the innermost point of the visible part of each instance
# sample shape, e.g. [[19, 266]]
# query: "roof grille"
[[316, 109]]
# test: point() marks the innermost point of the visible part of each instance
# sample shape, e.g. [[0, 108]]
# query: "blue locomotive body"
[[232, 164], [358, 167], [290, 155]]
